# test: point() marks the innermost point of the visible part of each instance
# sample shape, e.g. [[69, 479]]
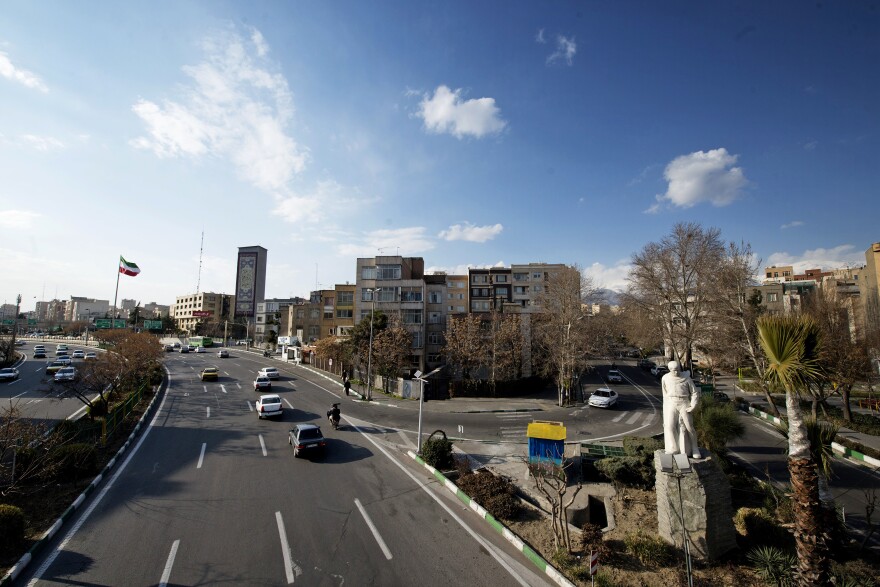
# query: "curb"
[[847, 453], [23, 562], [497, 411], [515, 540]]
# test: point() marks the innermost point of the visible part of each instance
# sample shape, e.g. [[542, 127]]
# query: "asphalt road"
[[212, 495]]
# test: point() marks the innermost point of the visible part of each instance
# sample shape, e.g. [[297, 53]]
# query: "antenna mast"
[[201, 252]]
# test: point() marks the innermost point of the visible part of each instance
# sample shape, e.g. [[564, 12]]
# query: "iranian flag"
[[128, 267]]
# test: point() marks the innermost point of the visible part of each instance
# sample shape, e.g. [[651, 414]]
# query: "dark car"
[[721, 397], [646, 364], [306, 438]]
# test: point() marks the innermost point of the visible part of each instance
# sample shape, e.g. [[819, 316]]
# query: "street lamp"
[[373, 292], [422, 380], [681, 468]]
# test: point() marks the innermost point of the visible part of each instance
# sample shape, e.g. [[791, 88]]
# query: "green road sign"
[[102, 323], [8, 322], [32, 321], [118, 323], [153, 324]]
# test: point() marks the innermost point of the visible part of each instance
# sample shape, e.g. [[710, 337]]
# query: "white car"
[[65, 360], [223, 354], [614, 376], [91, 355], [65, 374], [270, 372], [268, 406], [8, 374], [78, 354], [200, 349], [603, 398], [261, 383], [61, 347]]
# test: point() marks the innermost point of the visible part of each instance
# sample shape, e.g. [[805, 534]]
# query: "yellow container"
[[546, 430]]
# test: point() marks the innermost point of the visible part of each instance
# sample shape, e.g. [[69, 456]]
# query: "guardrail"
[[115, 416]]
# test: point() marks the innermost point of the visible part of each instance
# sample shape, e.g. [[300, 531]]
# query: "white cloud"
[[308, 207], [613, 277], [833, 258], [539, 38], [702, 176], [469, 232], [811, 145], [404, 241], [565, 50], [18, 219], [234, 108], [24, 77], [462, 269], [44, 144], [446, 112], [792, 224]]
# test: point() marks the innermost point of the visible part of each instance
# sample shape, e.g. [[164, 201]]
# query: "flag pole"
[[116, 296]]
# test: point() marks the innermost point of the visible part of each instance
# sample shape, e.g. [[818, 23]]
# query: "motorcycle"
[[333, 416]]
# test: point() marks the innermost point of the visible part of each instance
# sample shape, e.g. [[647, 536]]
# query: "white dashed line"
[[263, 446], [289, 405], [209, 411], [290, 569], [201, 456], [223, 388], [373, 529], [166, 574]]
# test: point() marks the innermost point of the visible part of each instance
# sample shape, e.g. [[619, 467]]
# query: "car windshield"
[[309, 434], [602, 393], [271, 400]]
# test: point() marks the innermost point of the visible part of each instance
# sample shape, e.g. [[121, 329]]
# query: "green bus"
[[205, 341]]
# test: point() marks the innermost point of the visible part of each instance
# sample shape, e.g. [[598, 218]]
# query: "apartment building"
[[778, 273], [268, 316], [870, 288], [214, 309], [82, 308], [395, 285]]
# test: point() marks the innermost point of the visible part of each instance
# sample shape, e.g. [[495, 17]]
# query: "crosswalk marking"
[[633, 418], [620, 417]]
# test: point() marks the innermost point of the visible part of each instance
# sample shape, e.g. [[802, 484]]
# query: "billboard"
[[201, 313], [250, 280]]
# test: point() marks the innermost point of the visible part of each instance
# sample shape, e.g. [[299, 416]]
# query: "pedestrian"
[[347, 385]]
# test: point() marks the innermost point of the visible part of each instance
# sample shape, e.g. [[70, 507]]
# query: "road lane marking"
[[209, 411], [223, 388], [226, 373], [250, 405], [620, 417], [263, 446], [206, 388], [412, 445], [634, 417], [19, 395], [166, 574], [289, 405], [649, 419], [373, 529], [490, 548], [201, 456], [291, 570], [238, 385]]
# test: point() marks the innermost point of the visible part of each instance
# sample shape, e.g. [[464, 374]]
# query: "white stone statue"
[[680, 397]]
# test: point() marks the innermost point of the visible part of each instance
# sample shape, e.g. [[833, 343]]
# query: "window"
[[537, 275], [433, 358], [388, 272], [300, 313], [368, 273], [434, 297], [364, 314], [344, 313], [388, 294], [475, 291], [328, 313], [416, 340], [450, 309], [520, 289], [772, 297], [259, 318], [410, 294], [434, 318], [328, 301], [500, 279], [520, 276], [460, 285], [313, 313], [411, 316], [479, 278], [479, 306], [461, 296], [345, 297], [314, 330], [501, 291], [435, 338]]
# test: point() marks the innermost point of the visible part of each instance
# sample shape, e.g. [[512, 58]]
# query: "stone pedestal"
[[703, 503]]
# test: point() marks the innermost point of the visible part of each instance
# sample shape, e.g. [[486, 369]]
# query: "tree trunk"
[[769, 399], [810, 541], [844, 393]]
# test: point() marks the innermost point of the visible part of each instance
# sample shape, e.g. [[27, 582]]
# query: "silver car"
[[65, 374], [8, 374], [268, 406]]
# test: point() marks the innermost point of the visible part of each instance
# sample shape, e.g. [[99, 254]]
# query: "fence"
[[117, 415]]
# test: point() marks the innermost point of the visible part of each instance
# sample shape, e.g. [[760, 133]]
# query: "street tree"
[[505, 342], [359, 339], [392, 348], [26, 452], [561, 333], [792, 347], [674, 280], [465, 345]]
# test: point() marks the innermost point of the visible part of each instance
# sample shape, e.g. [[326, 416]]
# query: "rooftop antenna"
[[381, 249], [316, 277], [201, 252]]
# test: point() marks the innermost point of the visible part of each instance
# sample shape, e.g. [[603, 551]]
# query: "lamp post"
[[373, 292], [422, 380]]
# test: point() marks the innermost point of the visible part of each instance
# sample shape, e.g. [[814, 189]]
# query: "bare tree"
[[26, 447], [675, 281], [561, 332], [639, 326], [391, 349], [465, 347], [505, 345], [552, 481]]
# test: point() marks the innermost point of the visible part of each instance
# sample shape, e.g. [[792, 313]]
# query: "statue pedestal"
[[704, 504]]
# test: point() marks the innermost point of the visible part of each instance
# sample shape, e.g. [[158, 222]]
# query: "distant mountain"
[[608, 296]]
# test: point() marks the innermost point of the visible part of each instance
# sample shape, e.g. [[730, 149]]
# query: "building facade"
[[250, 281], [212, 310]]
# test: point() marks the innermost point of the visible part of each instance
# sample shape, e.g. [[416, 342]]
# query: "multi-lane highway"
[[213, 495]]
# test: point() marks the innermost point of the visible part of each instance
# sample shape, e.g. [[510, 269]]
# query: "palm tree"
[[791, 345]]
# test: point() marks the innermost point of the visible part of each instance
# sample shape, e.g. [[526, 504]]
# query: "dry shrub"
[[495, 493]]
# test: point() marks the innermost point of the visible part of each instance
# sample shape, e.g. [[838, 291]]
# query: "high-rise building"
[[211, 309], [250, 281]]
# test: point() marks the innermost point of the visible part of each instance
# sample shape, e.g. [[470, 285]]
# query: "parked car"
[[8, 374], [602, 398], [614, 376], [223, 354], [65, 374], [209, 374], [268, 406], [270, 372], [646, 364], [91, 355], [78, 354], [262, 382], [306, 438]]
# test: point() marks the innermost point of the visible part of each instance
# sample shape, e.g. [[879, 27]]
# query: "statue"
[[680, 397]]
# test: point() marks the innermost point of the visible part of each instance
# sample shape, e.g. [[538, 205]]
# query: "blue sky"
[[466, 133]]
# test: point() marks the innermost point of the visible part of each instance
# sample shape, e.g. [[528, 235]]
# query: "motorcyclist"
[[333, 415]]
